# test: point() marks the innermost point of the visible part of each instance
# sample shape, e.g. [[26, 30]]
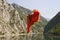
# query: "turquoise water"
[[31, 37]]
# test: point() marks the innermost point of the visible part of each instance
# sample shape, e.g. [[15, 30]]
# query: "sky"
[[47, 8]]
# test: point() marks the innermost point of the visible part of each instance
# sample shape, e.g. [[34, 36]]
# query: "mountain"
[[38, 26], [53, 25], [13, 19]]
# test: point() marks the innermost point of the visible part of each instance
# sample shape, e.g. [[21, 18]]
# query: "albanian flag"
[[31, 19]]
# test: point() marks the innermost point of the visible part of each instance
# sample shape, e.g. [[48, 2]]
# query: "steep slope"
[[10, 20], [38, 26], [54, 25], [13, 19]]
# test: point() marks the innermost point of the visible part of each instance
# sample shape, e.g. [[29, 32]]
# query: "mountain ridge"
[[53, 24], [13, 20]]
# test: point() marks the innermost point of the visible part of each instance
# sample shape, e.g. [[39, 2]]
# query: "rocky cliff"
[[13, 19]]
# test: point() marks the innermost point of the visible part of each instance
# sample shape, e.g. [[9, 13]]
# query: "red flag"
[[31, 19]]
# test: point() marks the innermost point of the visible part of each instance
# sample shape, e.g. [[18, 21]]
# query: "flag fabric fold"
[[31, 19]]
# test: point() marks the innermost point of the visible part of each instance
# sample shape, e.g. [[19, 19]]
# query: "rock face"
[[13, 19], [38, 27], [10, 21], [53, 26]]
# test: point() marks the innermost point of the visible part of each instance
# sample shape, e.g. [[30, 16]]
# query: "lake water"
[[31, 37]]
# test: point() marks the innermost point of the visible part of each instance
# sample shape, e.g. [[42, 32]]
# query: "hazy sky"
[[47, 8]]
